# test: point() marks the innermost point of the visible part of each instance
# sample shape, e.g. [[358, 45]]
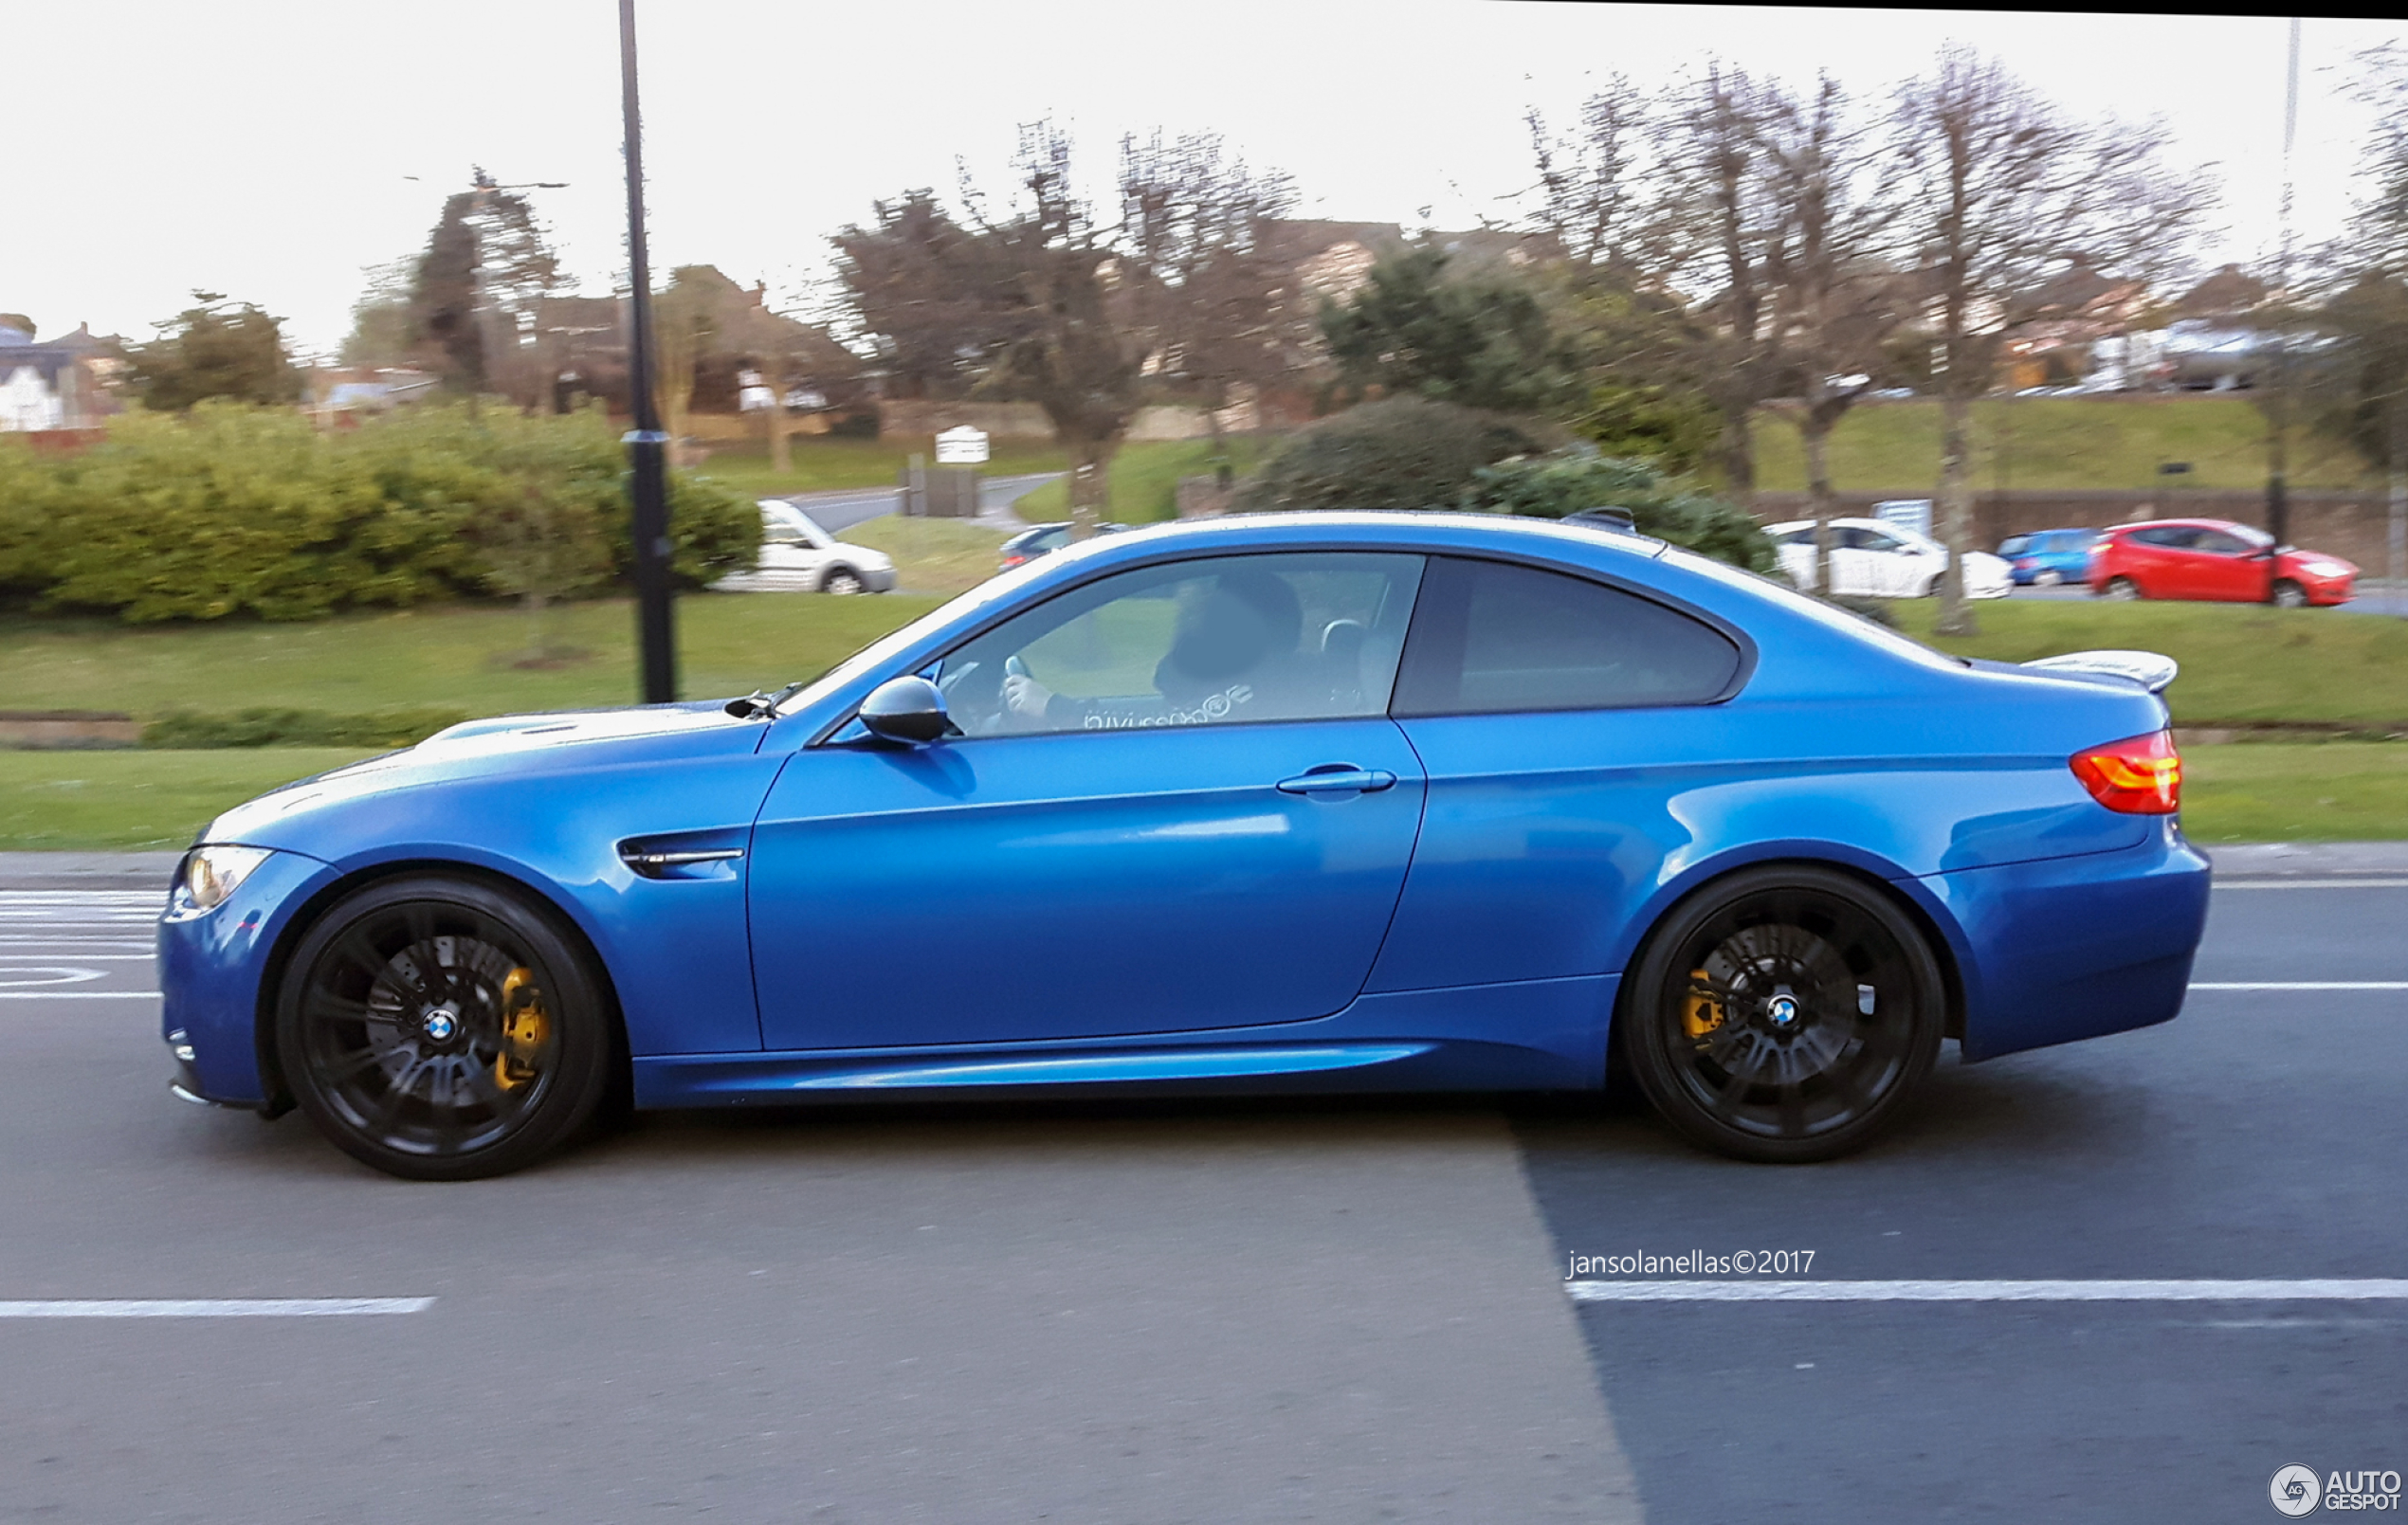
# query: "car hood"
[[572, 741]]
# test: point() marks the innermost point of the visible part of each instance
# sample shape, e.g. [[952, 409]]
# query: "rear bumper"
[[2070, 948]]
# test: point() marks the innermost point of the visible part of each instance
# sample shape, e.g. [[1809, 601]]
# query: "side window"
[[2216, 542], [1489, 638], [2172, 538], [2015, 545], [1863, 539], [1212, 640]]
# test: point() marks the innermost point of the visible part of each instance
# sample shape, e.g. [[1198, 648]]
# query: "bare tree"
[[1836, 302], [684, 326], [2005, 189], [1729, 230], [1206, 297], [1045, 300]]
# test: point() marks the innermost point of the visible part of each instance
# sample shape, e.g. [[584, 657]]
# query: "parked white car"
[[1872, 559], [797, 557]]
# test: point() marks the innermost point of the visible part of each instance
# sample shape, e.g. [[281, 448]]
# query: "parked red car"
[[2214, 559]]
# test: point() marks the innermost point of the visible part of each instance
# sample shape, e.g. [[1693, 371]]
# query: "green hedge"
[[1553, 486], [234, 510]]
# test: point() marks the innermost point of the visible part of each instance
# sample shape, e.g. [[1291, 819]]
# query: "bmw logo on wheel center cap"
[[440, 1023], [1784, 1010]]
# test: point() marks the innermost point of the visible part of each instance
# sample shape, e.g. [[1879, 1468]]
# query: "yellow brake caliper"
[[1701, 1013], [524, 1027]]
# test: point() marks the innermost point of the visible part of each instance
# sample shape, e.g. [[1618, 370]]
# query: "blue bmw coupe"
[[1310, 802]]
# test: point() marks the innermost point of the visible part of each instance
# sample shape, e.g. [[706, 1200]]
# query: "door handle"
[[1338, 778]]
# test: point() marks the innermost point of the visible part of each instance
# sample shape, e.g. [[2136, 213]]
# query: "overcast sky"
[[265, 149]]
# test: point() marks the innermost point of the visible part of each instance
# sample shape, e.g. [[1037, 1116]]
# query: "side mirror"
[[908, 710]]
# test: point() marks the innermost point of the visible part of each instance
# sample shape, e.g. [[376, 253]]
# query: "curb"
[[2257, 860]]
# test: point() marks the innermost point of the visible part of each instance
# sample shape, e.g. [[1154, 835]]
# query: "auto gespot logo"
[[2297, 1490]]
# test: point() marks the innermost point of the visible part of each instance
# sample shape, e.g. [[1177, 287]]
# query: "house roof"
[[2228, 292]]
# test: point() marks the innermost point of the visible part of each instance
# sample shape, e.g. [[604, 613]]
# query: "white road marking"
[[212, 1307], [80, 995], [2299, 985], [2329, 1290], [2312, 883], [46, 974]]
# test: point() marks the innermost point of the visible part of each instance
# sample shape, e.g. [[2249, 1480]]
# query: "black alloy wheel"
[[1784, 1015], [440, 1029]]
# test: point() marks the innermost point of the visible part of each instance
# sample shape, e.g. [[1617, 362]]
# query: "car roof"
[[2184, 525], [1842, 521]]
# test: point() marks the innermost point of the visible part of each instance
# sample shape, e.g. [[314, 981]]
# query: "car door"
[[1901, 569], [2227, 569], [2164, 565], [1556, 717], [1179, 804]]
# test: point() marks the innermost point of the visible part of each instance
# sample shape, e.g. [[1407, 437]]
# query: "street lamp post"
[[648, 476]]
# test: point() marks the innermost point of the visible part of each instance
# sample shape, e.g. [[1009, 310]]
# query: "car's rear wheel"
[[1784, 1015], [2047, 577], [2288, 594], [439, 1028], [2123, 589], [841, 580]]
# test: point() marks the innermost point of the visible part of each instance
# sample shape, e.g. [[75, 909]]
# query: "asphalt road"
[[837, 512], [1219, 1312]]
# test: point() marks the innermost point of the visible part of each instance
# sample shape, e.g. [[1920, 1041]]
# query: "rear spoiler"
[[2145, 668]]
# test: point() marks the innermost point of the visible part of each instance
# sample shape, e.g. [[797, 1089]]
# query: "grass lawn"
[[2287, 791], [2241, 662], [456, 658], [2246, 792], [2056, 443], [1145, 479], [822, 462], [945, 557], [58, 801]]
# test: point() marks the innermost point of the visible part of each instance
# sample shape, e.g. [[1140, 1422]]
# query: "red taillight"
[[2139, 776], [1012, 560]]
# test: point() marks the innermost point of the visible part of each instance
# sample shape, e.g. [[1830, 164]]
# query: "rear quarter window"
[[1494, 638]]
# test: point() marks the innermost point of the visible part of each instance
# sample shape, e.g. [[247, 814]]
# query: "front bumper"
[[211, 971], [876, 580], [2063, 949]]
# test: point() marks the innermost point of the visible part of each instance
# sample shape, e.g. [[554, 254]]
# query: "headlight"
[[208, 875], [2322, 568]]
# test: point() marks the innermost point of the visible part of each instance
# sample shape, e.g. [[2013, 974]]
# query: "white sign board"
[[1907, 513], [964, 446]]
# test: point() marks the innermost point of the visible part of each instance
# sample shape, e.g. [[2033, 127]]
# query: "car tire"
[[2047, 577], [2288, 595], [1783, 1015], [2122, 590], [440, 1028], [1931, 589], [842, 581]]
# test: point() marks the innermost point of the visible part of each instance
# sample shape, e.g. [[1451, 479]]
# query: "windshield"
[[886, 648]]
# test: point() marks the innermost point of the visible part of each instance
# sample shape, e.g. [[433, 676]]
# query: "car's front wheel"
[[441, 1029], [1783, 1014], [2288, 594], [843, 580]]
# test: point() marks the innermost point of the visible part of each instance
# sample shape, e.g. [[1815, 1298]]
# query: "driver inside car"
[[1233, 655]]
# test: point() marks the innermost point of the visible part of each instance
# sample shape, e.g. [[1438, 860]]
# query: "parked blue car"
[[2047, 557], [1306, 802]]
